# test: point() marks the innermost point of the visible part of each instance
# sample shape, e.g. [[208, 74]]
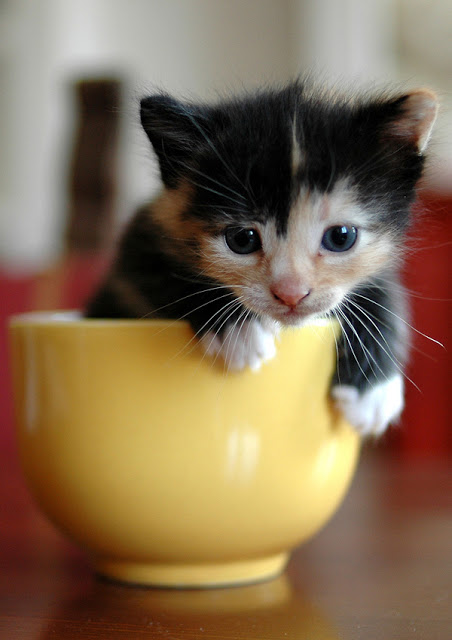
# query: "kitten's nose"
[[289, 293]]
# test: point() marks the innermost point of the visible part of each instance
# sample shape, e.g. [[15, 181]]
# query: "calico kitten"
[[279, 207]]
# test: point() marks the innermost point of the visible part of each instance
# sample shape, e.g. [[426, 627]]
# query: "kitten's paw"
[[246, 345], [372, 411]]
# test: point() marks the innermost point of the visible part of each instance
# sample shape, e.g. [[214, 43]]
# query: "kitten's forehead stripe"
[[297, 154], [324, 208]]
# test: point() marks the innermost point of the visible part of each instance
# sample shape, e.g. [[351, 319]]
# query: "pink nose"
[[289, 293]]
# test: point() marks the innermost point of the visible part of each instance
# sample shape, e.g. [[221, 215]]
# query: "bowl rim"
[[74, 317]]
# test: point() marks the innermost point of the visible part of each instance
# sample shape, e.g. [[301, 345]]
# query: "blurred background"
[[74, 163]]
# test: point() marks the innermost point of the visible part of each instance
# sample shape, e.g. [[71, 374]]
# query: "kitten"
[[279, 207]]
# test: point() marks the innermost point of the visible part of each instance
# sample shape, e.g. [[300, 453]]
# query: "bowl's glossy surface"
[[166, 469]]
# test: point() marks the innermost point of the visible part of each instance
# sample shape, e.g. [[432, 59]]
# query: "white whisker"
[[347, 300], [365, 350], [399, 317], [220, 184], [218, 193], [392, 357], [336, 346], [235, 303], [229, 335], [344, 333]]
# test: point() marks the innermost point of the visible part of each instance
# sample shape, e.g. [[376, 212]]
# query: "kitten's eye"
[[340, 238], [241, 240]]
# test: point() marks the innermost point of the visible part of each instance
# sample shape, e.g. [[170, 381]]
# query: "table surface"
[[381, 569]]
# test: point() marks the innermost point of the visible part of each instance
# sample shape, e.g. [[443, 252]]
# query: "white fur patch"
[[247, 344], [371, 412]]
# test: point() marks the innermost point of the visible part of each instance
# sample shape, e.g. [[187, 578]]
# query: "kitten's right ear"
[[174, 129], [415, 116]]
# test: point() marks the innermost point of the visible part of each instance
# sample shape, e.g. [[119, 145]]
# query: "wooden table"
[[381, 569]]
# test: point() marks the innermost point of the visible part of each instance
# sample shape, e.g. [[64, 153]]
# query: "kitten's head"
[[292, 198]]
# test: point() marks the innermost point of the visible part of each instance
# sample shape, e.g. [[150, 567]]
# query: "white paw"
[[370, 412], [244, 345]]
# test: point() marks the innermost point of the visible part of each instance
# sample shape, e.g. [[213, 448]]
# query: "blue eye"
[[241, 240], [340, 238]]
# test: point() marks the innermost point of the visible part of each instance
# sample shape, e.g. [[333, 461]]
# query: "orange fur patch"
[[168, 208], [168, 212]]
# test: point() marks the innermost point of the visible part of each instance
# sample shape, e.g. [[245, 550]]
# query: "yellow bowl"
[[167, 470]]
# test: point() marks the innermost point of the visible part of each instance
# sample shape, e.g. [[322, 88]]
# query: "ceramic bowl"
[[165, 468]]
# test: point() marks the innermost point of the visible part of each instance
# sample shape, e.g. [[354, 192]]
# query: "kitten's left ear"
[[416, 115], [175, 129]]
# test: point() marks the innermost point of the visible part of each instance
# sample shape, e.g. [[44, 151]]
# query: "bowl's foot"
[[192, 575]]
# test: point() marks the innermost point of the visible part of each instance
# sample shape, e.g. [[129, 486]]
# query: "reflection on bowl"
[[165, 468]]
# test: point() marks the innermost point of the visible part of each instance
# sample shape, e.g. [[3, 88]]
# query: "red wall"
[[426, 427]]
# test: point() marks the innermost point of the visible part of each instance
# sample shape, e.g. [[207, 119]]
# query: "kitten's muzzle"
[[288, 294]]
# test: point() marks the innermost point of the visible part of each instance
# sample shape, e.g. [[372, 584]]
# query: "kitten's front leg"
[[371, 411], [230, 333], [244, 343], [368, 385]]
